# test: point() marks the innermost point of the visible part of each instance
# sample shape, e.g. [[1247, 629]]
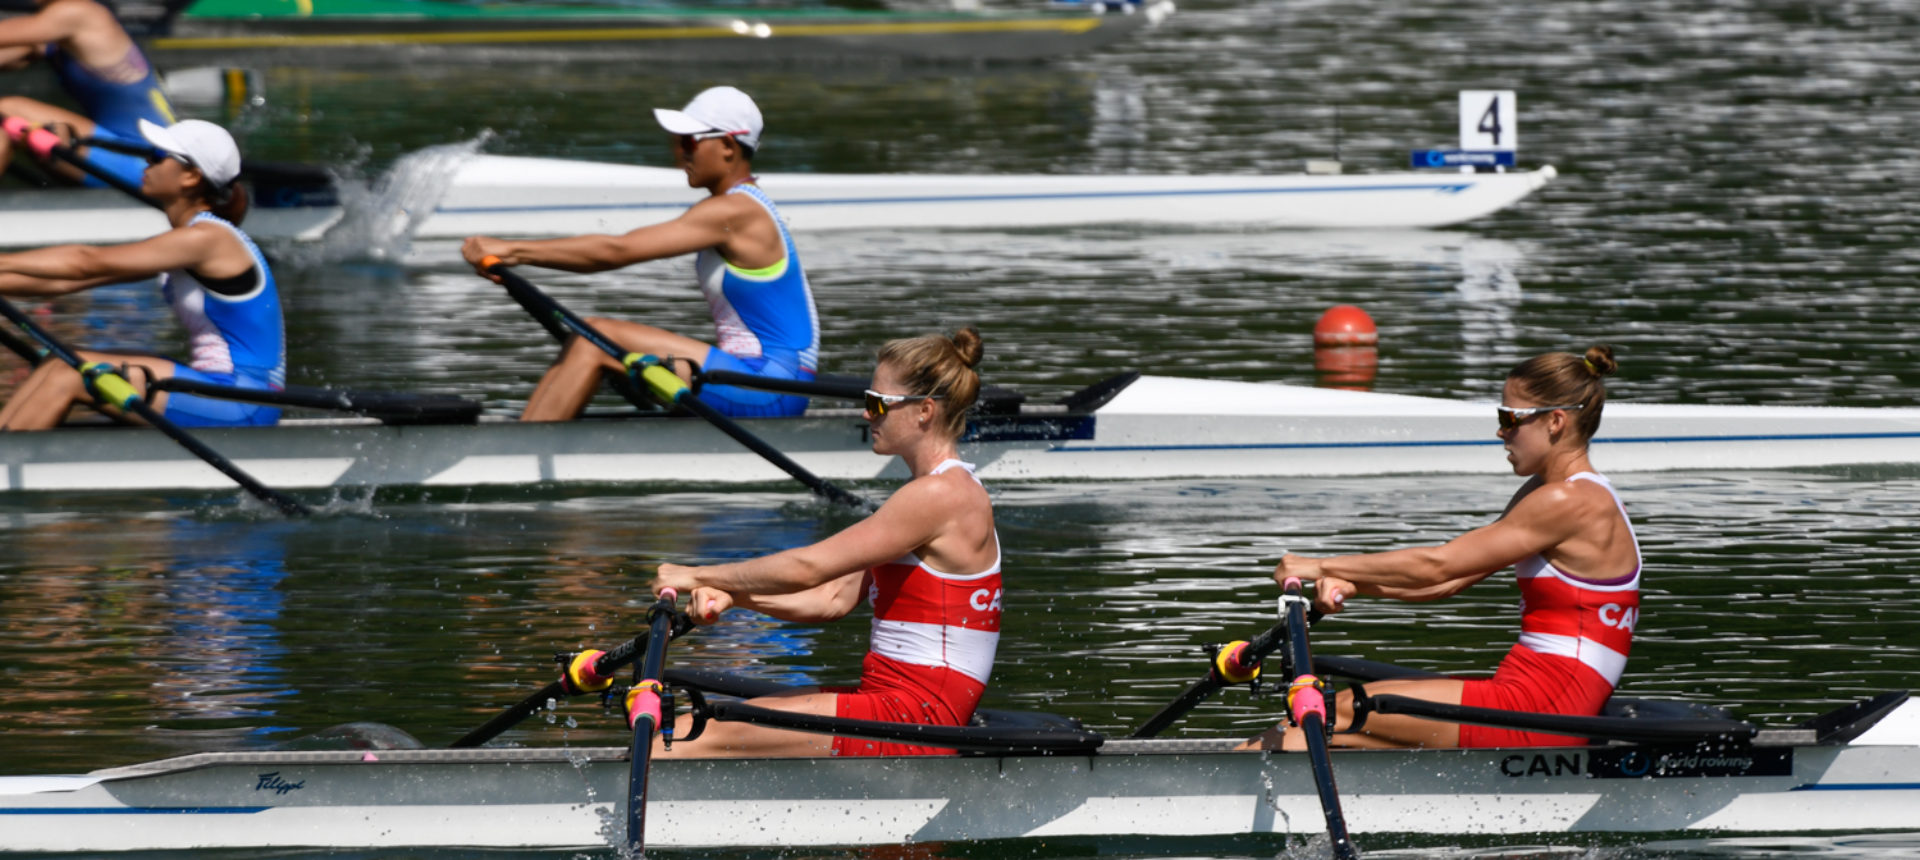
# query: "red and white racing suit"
[[1574, 638], [934, 637]]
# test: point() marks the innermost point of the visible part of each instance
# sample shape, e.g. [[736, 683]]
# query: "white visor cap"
[[208, 146], [717, 109]]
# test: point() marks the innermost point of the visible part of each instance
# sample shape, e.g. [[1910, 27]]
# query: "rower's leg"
[[746, 740], [567, 386], [43, 401], [1381, 731]]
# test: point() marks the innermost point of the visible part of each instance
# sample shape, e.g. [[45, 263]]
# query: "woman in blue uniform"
[[101, 68], [763, 309], [215, 278]]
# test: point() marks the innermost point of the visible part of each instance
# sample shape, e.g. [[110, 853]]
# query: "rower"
[[762, 304], [216, 279], [101, 68], [928, 561], [1568, 539]]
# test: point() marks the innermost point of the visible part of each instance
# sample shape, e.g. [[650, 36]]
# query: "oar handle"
[[48, 145]]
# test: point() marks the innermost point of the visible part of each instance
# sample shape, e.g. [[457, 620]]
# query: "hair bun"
[[1599, 359], [966, 342]]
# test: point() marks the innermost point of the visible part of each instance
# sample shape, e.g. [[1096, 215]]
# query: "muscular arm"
[[1534, 523], [709, 223], [909, 520], [55, 23], [828, 601], [65, 268]]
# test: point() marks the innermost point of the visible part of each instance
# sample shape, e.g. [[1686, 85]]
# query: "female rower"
[[762, 304], [928, 561], [214, 276], [101, 68], [1568, 539]]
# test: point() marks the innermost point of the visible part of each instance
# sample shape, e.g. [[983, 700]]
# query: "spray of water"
[[378, 223]]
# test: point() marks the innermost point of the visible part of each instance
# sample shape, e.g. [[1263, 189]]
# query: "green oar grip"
[[107, 384], [664, 383]]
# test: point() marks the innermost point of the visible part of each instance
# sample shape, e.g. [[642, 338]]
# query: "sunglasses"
[[156, 156], [877, 403], [1514, 416], [689, 141]]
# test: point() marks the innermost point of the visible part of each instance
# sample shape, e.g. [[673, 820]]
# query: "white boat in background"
[[1859, 770], [515, 196], [1150, 427], [505, 195]]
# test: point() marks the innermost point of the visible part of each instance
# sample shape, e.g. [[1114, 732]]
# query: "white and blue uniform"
[[115, 108], [238, 338], [766, 322]]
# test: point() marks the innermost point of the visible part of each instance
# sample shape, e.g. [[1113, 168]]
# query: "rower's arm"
[[1533, 524], [910, 519], [707, 224], [829, 601], [57, 22], [23, 286], [175, 249]]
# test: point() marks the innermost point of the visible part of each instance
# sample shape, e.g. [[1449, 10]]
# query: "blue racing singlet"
[[765, 313], [244, 334], [115, 107]]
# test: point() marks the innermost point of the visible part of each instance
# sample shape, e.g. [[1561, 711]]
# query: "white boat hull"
[[1156, 428], [570, 798], [513, 196]]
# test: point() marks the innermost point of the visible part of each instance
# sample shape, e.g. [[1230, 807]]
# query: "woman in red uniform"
[[928, 561], [1568, 540]]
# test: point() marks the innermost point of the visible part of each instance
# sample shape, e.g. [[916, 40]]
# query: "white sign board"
[[1489, 120]]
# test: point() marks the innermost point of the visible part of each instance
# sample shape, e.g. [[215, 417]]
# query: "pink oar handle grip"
[[669, 594], [16, 127], [42, 142], [1291, 582]]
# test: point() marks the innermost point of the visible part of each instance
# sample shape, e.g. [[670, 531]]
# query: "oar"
[[1234, 663], [48, 145], [658, 379], [1307, 702], [110, 388], [643, 712], [589, 671]]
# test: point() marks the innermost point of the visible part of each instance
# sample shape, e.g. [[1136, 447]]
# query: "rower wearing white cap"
[[216, 279], [763, 309]]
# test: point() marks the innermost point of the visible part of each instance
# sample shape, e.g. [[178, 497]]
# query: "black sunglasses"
[[877, 403]]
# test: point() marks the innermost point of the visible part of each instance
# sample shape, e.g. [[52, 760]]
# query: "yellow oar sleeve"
[[108, 385]]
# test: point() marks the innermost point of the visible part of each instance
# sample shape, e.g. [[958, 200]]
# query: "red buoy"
[[1345, 325]]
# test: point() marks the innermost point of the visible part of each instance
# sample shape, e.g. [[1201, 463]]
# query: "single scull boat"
[[516, 196], [1127, 428]]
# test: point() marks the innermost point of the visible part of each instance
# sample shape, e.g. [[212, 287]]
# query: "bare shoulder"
[[1570, 499]]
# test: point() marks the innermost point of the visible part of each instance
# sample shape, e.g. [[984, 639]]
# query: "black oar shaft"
[[643, 707], [1248, 662], [550, 312], [605, 663], [1306, 699], [109, 388]]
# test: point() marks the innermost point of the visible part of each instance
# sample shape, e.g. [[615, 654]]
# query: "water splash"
[[379, 222]]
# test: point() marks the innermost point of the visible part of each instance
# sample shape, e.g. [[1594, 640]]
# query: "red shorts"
[[1530, 681], [895, 692]]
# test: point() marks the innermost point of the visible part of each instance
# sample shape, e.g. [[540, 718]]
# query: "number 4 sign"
[[1489, 120]]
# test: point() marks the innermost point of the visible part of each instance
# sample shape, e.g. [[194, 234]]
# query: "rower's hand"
[[1297, 567], [707, 604], [478, 248], [1330, 594], [678, 577]]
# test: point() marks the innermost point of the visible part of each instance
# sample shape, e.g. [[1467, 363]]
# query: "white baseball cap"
[[208, 146], [717, 109]]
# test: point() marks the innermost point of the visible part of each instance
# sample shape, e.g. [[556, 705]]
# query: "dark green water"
[[1735, 213]]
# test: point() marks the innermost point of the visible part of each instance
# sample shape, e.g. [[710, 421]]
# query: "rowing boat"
[[397, 31], [518, 196], [1130, 427], [1855, 769]]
